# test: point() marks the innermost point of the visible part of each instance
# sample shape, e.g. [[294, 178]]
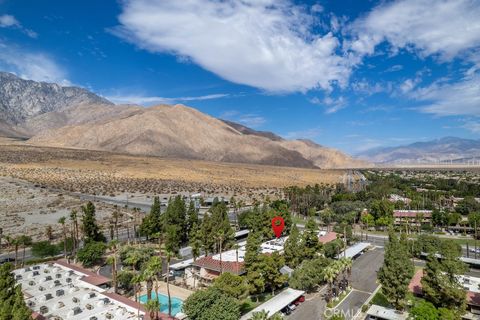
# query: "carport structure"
[[355, 250], [277, 303]]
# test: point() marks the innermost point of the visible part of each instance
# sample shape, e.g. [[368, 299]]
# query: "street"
[[363, 280]]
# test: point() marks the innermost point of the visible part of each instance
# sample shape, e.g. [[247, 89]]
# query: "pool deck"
[[175, 291]]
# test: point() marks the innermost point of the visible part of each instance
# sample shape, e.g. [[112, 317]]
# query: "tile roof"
[[328, 237], [214, 264], [415, 286], [411, 213], [90, 277]]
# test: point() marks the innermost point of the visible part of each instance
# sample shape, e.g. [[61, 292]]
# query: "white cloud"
[[472, 126], [31, 65], [449, 99], [266, 44], [332, 105], [429, 27], [250, 120], [9, 21], [152, 100]]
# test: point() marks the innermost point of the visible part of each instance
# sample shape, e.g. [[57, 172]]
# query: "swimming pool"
[[163, 299]]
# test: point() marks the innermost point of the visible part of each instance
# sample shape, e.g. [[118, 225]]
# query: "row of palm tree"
[[337, 274]]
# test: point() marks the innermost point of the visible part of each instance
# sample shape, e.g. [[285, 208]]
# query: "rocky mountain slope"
[[22, 99], [446, 149], [51, 115]]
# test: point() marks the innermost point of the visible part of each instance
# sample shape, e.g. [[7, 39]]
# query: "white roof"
[[66, 296], [277, 303], [352, 251], [470, 283], [384, 313], [275, 245], [184, 264], [241, 232]]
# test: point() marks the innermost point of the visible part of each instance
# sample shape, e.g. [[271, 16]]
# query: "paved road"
[[363, 280]]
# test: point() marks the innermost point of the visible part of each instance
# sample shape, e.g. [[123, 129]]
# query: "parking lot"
[[363, 281]]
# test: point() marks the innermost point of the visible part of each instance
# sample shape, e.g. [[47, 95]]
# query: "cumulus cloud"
[[152, 100], [9, 21], [31, 65], [429, 27], [267, 44]]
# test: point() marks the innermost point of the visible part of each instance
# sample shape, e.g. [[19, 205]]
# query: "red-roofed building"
[[208, 268], [412, 217], [473, 298], [329, 237], [89, 276]]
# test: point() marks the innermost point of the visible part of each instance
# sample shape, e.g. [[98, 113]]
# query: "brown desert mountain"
[[70, 117], [177, 132]]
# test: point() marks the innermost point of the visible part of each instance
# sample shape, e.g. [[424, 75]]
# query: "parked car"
[[286, 311]]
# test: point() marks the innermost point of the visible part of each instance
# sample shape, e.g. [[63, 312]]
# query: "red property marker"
[[278, 225]]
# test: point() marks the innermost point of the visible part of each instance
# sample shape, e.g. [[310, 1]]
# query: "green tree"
[[44, 249], [310, 275], [423, 310], [152, 223], [211, 304], [91, 229], [292, 252], [440, 283], [12, 304], [192, 218], [91, 253], [252, 249], [381, 209], [396, 272], [270, 265], [153, 306], [62, 222], [232, 285], [310, 243]]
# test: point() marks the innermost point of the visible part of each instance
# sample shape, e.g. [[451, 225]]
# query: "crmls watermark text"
[[347, 314]]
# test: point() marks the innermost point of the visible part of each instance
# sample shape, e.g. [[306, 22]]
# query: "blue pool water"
[[176, 303]]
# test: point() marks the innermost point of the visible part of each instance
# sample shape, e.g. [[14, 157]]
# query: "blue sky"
[[349, 74]]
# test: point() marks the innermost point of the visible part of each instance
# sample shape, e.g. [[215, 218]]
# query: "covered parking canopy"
[[354, 250], [277, 303]]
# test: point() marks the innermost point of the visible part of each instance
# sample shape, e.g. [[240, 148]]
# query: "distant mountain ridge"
[[445, 149], [51, 115], [21, 100]]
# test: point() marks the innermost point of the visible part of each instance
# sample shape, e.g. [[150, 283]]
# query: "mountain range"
[[51, 115], [446, 150]]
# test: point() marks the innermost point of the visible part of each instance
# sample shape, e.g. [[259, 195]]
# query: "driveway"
[[363, 281]]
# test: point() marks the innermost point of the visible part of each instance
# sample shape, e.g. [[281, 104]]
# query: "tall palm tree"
[[169, 255], [1, 237], [113, 261], [73, 219], [64, 229], [24, 241], [155, 267], [329, 275], [152, 306]]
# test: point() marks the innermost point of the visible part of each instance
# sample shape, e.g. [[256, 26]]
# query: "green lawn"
[[250, 303], [380, 300], [339, 299]]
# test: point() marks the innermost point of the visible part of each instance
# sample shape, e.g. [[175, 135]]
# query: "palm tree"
[[113, 261], [169, 254], [155, 267], [196, 244], [64, 229], [24, 241], [329, 275], [152, 306], [260, 315], [1, 236], [49, 233], [115, 216], [73, 219]]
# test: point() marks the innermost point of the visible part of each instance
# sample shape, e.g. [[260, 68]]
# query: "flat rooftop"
[[354, 250], [58, 292], [266, 247], [277, 303]]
